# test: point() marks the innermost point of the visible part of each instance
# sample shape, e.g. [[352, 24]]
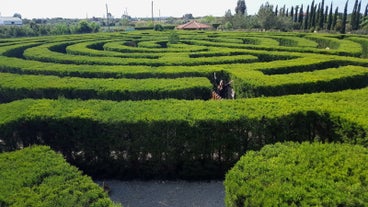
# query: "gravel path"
[[167, 193]]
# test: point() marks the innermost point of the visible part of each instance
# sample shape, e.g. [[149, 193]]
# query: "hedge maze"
[[133, 105]]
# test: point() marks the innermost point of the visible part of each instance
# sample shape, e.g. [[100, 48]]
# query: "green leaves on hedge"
[[307, 174], [37, 176]]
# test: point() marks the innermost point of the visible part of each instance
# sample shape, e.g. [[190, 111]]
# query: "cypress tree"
[[296, 14], [314, 17], [330, 18], [311, 14], [334, 21], [277, 10], [318, 12], [301, 17], [241, 7], [321, 15], [326, 15], [358, 16], [306, 19], [366, 11], [353, 22], [292, 12], [283, 11], [344, 18]]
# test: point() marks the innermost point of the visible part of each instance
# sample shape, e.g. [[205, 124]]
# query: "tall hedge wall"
[[182, 139]]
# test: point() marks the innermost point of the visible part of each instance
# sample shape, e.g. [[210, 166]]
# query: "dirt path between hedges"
[[167, 193]]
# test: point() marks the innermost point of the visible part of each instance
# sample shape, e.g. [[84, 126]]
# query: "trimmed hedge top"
[[307, 174], [37, 176]]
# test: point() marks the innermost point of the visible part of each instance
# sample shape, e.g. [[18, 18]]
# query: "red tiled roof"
[[194, 25]]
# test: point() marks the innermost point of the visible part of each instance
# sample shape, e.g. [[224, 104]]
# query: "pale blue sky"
[[138, 8]]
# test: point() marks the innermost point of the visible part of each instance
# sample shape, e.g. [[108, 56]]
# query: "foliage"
[[307, 174], [241, 8], [36, 29], [182, 139], [169, 138], [13, 87], [37, 176], [158, 27], [174, 38]]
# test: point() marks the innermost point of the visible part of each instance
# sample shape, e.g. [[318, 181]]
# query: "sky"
[[140, 8]]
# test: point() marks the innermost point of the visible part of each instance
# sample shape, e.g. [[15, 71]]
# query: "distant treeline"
[[312, 17], [35, 29]]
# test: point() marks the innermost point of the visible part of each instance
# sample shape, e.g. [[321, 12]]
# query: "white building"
[[10, 21]]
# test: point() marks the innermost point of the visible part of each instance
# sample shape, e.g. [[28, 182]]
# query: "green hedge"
[[14, 87], [89, 49], [37, 176], [181, 139], [307, 174]]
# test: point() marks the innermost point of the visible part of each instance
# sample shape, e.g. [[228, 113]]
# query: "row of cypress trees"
[[324, 17]]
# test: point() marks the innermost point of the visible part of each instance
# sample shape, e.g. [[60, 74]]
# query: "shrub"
[[307, 174], [174, 38], [37, 176]]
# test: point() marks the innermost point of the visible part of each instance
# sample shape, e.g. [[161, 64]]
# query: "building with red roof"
[[194, 25]]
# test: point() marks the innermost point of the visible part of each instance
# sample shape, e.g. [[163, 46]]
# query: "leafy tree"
[[60, 29], [17, 15], [241, 8], [83, 27], [344, 18], [266, 16], [188, 16], [158, 27]]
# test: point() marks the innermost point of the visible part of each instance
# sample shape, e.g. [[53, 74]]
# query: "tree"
[[241, 8], [306, 19], [358, 17], [301, 17], [312, 19], [296, 14], [334, 20], [330, 18], [366, 11], [17, 15], [174, 38], [188, 16], [353, 21], [344, 18], [321, 15], [266, 16]]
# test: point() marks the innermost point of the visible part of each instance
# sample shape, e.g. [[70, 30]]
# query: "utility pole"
[[107, 18], [153, 20]]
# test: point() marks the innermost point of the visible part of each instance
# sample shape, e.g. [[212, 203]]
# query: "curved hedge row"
[[179, 138], [37, 176], [15, 87], [182, 139], [292, 174]]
